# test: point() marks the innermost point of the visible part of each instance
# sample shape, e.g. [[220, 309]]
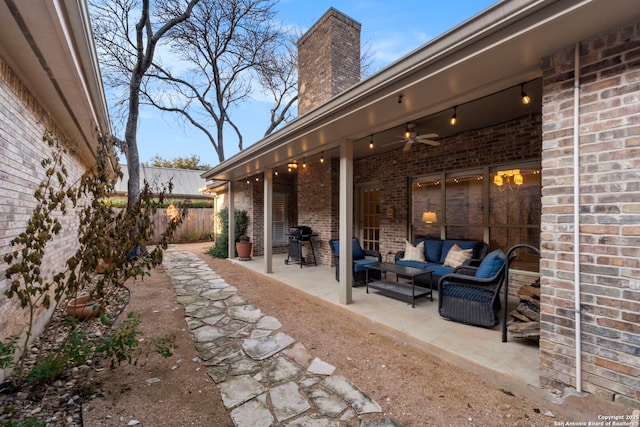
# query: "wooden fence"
[[198, 225]]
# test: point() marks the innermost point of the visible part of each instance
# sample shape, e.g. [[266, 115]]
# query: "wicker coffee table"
[[396, 289]]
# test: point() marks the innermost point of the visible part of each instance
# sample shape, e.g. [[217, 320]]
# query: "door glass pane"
[[371, 219]]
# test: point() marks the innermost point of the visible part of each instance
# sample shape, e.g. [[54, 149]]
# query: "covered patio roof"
[[478, 66], [49, 45]]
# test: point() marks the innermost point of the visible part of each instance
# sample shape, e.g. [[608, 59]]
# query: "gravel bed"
[[59, 403]]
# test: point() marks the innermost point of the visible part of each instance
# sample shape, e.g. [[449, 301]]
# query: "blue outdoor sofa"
[[435, 253]]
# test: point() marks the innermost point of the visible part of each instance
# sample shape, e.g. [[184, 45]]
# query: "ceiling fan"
[[411, 136]]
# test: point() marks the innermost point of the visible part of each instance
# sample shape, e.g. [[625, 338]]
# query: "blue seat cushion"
[[462, 244], [359, 264], [491, 264], [437, 269]]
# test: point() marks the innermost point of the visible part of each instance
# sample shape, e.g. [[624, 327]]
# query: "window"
[[426, 207], [514, 211], [464, 205], [280, 227], [501, 204]]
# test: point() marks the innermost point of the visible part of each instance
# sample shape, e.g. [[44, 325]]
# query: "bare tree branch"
[[131, 57]]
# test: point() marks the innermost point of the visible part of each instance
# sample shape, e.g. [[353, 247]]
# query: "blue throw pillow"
[[432, 249], [491, 264]]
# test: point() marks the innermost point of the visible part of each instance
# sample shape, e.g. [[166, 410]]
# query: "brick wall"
[[317, 203], [609, 218], [328, 60], [22, 124]]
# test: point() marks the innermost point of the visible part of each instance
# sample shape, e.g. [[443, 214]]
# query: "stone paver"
[[265, 377]]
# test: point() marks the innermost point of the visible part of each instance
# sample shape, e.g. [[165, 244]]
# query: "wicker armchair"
[[471, 295], [361, 257]]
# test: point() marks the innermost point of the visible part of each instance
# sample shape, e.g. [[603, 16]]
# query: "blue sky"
[[389, 31]]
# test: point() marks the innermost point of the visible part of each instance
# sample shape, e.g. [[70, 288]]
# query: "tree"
[[192, 163], [127, 53], [229, 46]]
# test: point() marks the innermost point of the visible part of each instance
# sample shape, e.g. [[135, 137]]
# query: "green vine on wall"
[[105, 236]]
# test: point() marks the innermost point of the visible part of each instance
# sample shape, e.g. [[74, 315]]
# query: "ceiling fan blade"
[[394, 142], [428, 135], [428, 142], [407, 146]]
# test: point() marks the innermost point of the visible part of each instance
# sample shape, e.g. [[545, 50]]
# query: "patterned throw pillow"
[[456, 256], [413, 253]]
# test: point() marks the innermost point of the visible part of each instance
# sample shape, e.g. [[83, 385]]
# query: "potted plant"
[[243, 247]]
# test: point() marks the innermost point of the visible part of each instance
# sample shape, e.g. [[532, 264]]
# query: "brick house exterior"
[[43, 89], [20, 159], [600, 354]]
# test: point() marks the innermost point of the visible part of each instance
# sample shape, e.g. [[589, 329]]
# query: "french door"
[[369, 217]]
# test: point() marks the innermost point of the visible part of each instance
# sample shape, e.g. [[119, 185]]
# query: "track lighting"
[[454, 117], [526, 99], [371, 142]]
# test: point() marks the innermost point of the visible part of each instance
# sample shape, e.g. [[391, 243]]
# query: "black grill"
[[297, 236], [300, 233]]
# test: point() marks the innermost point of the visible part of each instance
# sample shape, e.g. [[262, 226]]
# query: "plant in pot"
[[243, 247]]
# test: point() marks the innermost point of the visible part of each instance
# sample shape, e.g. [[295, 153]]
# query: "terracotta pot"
[[78, 308], [103, 267], [244, 250]]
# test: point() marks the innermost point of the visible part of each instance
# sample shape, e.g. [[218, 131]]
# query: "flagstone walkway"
[[265, 377]]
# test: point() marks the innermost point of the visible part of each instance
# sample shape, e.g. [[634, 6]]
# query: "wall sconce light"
[[292, 165], [322, 157], [504, 179], [429, 217], [526, 99], [454, 118], [304, 163], [275, 171], [371, 142]]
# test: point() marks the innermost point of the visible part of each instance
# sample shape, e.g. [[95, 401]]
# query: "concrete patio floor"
[[512, 366]]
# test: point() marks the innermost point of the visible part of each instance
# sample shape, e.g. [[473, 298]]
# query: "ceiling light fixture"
[[526, 99], [292, 165], [504, 179], [454, 117]]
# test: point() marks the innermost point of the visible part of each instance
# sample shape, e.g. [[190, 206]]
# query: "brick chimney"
[[328, 60]]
